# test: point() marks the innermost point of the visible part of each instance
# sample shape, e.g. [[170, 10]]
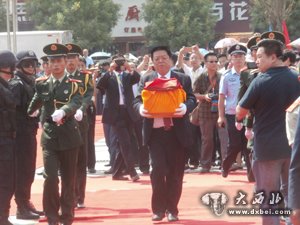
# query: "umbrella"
[[295, 43], [226, 42], [100, 54], [203, 51]]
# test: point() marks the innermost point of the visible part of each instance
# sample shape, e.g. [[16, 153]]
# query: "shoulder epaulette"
[[86, 71], [43, 78], [75, 80]]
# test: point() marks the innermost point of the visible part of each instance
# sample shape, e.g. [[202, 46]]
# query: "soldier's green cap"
[[252, 42], [44, 58], [273, 35], [55, 50], [73, 49]]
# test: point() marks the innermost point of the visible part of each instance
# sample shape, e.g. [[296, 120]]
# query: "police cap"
[[252, 42], [7, 59], [55, 50], [74, 49], [274, 35], [237, 49]]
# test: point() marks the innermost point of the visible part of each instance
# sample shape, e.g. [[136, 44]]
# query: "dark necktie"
[[55, 86], [167, 120]]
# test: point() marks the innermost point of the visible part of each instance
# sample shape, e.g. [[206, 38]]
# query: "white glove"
[[78, 115], [143, 112], [249, 133], [238, 125], [58, 115], [181, 110], [35, 113]]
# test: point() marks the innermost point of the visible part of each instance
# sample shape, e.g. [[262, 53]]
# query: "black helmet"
[[25, 55], [7, 59]]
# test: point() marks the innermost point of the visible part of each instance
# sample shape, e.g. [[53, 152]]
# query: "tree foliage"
[[272, 12], [179, 23], [2, 16], [91, 21]]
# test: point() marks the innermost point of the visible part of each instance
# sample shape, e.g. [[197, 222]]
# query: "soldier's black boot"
[[32, 208], [4, 220], [23, 213]]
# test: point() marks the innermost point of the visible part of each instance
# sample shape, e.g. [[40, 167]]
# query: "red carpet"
[[126, 203]]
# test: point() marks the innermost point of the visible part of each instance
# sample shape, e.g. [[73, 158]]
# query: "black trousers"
[[91, 155], [82, 162], [167, 160], [143, 150], [7, 174], [124, 158], [26, 147], [66, 161], [237, 143]]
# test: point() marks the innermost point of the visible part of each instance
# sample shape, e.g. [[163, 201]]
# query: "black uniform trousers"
[[82, 162], [143, 150], [91, 155], [167, 161], [237, 143], [66, 161], [124, 158], [7, 174], [26, 147]]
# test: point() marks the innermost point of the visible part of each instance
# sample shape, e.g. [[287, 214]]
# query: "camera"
[[213, 96], [120, 61]]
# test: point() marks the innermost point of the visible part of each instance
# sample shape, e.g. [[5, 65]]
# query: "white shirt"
[[159, 122], [121, 95]]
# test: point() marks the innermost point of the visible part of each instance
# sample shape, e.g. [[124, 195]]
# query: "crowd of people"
[[247, 105]]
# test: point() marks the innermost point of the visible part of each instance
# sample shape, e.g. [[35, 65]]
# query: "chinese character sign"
[[232, 16]]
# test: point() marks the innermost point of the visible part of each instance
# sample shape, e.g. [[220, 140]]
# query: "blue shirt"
[[89, 61], [229, 87], [270, 94]]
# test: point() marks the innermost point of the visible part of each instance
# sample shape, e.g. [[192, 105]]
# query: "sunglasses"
[[212, 61], [27, 64]]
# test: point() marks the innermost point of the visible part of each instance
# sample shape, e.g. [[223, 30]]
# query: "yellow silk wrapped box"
[[161, 97]]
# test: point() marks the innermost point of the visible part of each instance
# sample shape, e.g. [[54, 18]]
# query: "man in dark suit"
[[61, 138], [166, 139], [119, 113], [294, 179]]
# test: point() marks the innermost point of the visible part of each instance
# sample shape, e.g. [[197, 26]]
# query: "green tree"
[[179, 23], [2, 16], [91, 21], [272, 12]]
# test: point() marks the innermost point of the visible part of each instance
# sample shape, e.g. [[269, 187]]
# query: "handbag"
[[194, 116]]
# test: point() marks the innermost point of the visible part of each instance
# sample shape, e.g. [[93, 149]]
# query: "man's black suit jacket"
[[181, 126], [109, 83]]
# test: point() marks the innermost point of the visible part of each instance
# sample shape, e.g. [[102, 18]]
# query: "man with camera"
[[206, 89], [119, 113]]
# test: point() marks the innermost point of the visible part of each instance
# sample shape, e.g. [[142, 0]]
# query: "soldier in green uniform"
[[86, 89], [61, 138]]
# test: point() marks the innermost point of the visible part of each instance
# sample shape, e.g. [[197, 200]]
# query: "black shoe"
[[172, 217], [158, 216], [224, 173], [110, 171], [53, 223], [135, 178], [32, 208], [119, 178], [25, 214], [107, 164], [92, 170]]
